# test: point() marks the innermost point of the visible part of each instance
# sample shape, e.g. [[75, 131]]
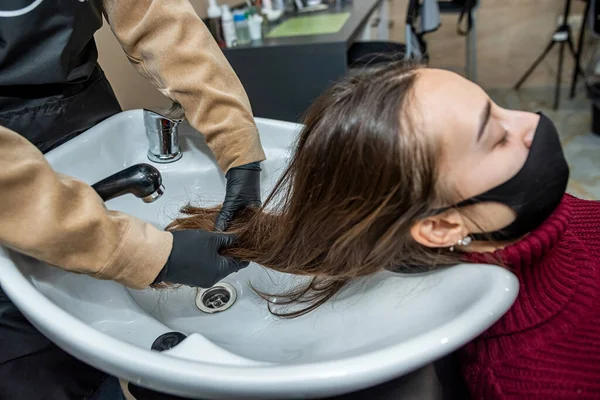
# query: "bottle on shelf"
[[228, 26], [214, 22], [241, 28]]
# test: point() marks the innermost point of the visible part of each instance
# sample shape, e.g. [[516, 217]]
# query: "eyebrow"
[[483, 119]]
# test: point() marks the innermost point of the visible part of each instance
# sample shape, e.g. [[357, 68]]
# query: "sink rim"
[[186, 377]]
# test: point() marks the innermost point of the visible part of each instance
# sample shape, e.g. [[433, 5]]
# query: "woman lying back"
[[405, 166]]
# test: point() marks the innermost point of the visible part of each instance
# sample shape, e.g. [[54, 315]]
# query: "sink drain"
[[216, 299]]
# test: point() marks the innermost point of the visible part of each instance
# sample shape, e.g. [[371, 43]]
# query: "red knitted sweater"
[[547, 346]]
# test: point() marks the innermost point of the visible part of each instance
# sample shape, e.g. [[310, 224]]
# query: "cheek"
[[498, 166], [507, 160], [475, 174]]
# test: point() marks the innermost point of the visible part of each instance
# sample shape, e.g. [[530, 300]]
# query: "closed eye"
[[503, 140]]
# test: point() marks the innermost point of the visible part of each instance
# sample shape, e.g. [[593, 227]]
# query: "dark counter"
[[359, 12], [282, 76]]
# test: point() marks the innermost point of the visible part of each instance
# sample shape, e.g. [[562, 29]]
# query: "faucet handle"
[[174, 113]]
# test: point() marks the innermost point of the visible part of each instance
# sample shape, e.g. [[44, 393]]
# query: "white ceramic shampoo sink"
[[377, 329]]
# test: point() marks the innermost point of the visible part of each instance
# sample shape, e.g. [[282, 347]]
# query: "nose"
[[529, 128], [528, 139]]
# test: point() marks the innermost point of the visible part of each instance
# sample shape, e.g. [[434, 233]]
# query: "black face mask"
[[535, 191]]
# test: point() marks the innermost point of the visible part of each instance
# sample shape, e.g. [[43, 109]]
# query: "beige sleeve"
[[170, 45], [62, 221]]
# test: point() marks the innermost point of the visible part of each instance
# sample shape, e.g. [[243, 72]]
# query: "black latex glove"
[[195, 259], [243, 190]]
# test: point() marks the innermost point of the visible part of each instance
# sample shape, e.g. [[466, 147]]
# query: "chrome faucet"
[[163, 137]]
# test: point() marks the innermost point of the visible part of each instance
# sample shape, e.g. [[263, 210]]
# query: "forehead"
[[447, 104]]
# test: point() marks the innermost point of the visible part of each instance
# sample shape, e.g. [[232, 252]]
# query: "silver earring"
[[463, 242]]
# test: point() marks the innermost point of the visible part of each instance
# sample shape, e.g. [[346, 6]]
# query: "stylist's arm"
[[62, 221], [168, 43]]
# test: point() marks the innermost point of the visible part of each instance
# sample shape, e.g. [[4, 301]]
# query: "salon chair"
[[363, 54]]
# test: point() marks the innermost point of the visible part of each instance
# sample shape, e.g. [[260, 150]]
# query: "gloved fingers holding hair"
[[243, 190], [195, 259]]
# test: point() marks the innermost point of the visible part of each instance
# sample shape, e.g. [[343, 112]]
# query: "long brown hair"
[[361, 175]]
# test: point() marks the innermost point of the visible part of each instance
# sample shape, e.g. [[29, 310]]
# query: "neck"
[[487, 246]]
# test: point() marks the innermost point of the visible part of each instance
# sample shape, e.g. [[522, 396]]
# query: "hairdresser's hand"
[[195, 259], [243, 190]]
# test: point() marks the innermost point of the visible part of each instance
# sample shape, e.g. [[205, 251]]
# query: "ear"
[[442, 230]]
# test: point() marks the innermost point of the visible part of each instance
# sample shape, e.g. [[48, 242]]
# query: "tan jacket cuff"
[[243, 146], [134, 263]]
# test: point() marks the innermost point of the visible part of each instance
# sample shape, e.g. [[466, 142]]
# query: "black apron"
[[51, 89]]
